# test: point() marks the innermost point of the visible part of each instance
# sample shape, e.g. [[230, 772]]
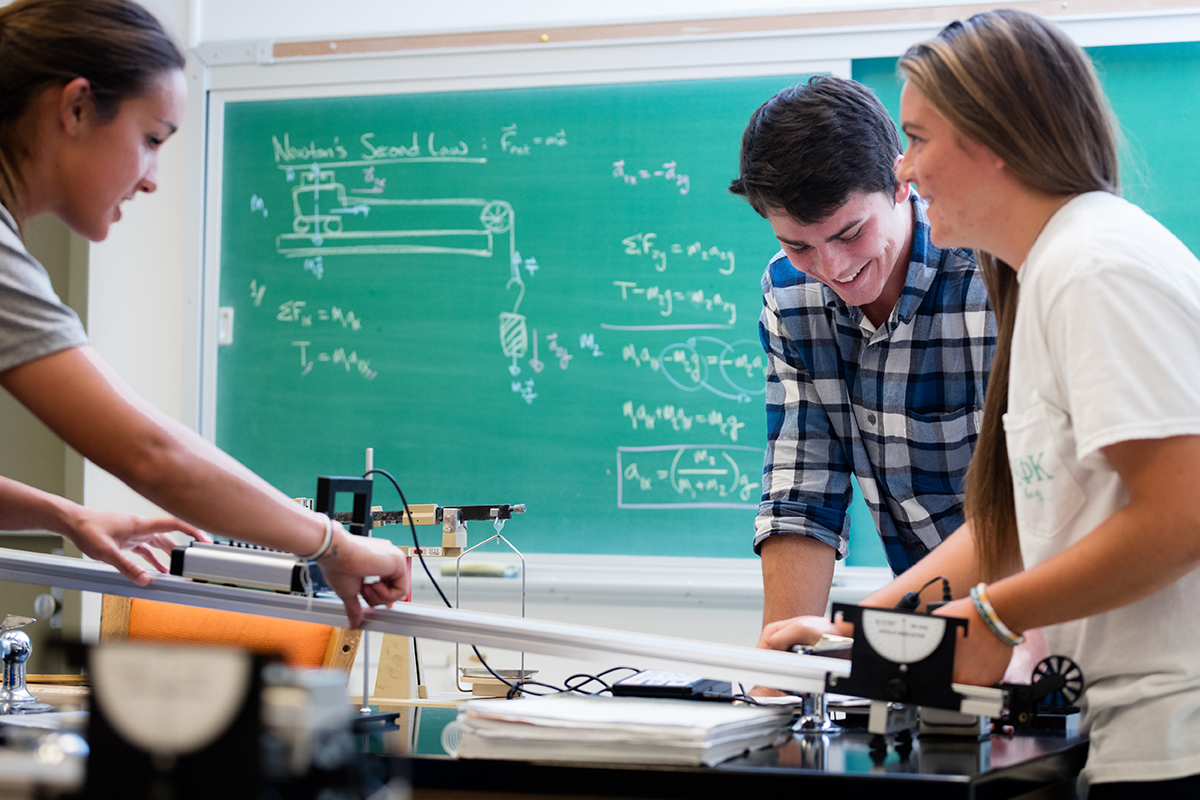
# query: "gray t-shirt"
[[33, 322]]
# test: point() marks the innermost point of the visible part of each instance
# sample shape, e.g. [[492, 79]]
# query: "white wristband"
[[324, 548]]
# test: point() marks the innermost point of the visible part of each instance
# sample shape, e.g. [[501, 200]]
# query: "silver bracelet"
[[324, 548]]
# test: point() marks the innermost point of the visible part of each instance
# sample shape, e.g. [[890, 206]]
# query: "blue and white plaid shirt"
[[900, 406]]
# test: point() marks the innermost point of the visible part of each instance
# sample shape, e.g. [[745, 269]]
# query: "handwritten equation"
[[668, 172], [352, 363], [514, 145], [676, 418], [647, 244], [688, 476], [740, 368], [665, 299], [298, 311]]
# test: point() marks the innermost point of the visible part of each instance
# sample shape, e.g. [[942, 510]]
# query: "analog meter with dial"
[[902, 638], [900, 656]]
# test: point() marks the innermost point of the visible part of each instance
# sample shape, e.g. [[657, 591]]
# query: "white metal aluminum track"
[[717, 661]]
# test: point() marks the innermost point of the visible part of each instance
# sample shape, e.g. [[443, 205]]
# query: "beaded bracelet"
[[988, 614], [324, 543]]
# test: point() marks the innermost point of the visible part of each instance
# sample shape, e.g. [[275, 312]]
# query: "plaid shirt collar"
[[920, 273]]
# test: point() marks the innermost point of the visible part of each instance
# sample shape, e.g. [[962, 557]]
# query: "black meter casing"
[[900, 657]]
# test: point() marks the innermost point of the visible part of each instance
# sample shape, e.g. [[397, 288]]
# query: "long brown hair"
[[116, 44], [1020, 86]]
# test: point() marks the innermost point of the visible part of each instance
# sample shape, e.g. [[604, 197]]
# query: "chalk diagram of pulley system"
[[327, 221]]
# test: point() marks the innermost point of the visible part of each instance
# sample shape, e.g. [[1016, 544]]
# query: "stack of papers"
[[615, 729]]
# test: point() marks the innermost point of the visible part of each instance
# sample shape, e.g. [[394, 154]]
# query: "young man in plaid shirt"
[[879, 343]]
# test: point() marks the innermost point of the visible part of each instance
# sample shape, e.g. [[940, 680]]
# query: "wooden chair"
[[303, 644]]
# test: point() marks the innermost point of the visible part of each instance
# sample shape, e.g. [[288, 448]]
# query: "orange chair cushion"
[[302, 644]]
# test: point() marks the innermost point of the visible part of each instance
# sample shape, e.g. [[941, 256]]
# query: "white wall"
[[226, 20]]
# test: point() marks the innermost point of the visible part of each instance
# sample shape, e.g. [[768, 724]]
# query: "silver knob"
[[46, 605]]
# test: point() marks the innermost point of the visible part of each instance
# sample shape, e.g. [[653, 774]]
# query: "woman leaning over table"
[[1086, 469], [89, 92]]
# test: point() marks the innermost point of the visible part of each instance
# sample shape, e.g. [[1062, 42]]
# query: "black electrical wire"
[[420, 555], [417, 660], [743, 696], [912, 600], [513, 688], [573, 683]]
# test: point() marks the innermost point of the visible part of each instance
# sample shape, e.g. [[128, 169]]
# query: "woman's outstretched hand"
[[109, 536]]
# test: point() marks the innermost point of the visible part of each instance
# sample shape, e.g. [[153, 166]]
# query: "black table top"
[[1000, 766]]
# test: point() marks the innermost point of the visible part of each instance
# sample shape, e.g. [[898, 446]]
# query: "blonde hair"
[[1017, 84], [116, 44]]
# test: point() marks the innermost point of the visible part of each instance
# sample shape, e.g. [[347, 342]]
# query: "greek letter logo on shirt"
[[1028, 472]]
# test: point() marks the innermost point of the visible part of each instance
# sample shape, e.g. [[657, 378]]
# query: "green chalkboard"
[[542, 296]]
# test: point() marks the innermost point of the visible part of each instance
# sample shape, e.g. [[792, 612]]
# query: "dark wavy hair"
[[811, 146]]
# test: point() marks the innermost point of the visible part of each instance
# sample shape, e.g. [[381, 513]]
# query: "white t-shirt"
[[1106, 349]]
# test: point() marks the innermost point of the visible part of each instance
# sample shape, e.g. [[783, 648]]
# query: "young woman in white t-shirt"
[[89, 92], [1082, 508]]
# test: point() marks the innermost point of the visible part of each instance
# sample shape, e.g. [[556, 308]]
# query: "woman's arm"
[[1145, 546], [77, 395], [101, 535]]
